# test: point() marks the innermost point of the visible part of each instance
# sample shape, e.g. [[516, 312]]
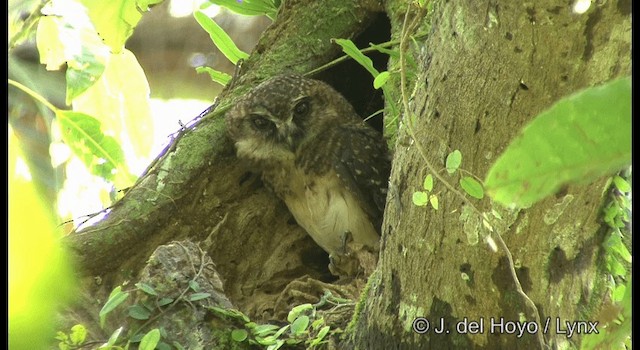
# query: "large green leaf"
[[220, 38], [67, 36], [100, 153], [114, 20], [120, 101], [580, 138]]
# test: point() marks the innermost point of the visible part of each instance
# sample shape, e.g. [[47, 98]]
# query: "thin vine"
[[405, 33]]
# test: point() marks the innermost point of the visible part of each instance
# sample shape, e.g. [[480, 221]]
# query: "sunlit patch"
[[581, 6], [181, 8]]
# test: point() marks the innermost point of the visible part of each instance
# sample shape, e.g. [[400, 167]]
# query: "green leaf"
[[146, 288], [618, 293], [78, 334], [298, 310], [621, 184], [194, 285], [264, 329], [582, 137], [281, 331], [215, 75], [139, 313], [165, 301], [68, 37], [113, 338], [318, 339], [428, 183], [352, 51], [220, 38], [199, 296], [268, 340], [277, 345], [454, 159], [472, 187], [433, 200], [380, 79], [150, 340], [120, 101], [249, 7], [300, 324], [101, 154], [392, 53], [420, 198], [114, 20], [239, 335], [114, 300]]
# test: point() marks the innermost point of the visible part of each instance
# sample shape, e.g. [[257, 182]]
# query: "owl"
[[329, 167]]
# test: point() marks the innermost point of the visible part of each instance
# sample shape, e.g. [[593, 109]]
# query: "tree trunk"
[[196, 190], [486, 69]]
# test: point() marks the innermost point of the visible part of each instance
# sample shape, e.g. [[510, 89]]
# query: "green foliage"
[[220, 38], [116, 19], [116, 298], [219, 77], [73, 339], [472, 187], [65, 36], [101, 154], [454, 159], [105, 83], [580, 138], [267, 8], [150, 340], [39, 273], [305, 327], [352, 51]]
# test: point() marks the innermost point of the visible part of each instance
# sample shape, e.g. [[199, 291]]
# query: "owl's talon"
[[346, 238]]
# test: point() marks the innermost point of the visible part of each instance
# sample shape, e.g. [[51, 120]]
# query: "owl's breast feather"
[[327, 210]]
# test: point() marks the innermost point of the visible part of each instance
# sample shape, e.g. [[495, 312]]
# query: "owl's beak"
[[289, 133]]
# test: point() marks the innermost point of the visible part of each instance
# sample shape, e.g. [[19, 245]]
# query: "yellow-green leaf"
[[100, 153], [249, 7], [580, 138], [39, 274], [150, 340], [380, 79], [220, 38], [454, 159], [219, 77], [352, 51], [428, 183], [114, 20], [120, 101], [472, 187], [420, 198], [433, 200]]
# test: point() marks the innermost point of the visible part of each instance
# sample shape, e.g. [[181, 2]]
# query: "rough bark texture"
[[197, 191], [486, 69]]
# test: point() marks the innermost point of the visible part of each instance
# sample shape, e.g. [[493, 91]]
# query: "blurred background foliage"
[[51, 189]]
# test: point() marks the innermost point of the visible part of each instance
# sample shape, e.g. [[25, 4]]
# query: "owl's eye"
[[301, 108], [261, 123]]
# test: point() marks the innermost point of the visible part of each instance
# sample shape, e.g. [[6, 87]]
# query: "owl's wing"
[[362, 163]]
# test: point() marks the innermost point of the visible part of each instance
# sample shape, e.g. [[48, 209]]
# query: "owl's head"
[[280, 114]]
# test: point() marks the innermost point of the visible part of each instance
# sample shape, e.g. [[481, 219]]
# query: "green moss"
[[373, 279]]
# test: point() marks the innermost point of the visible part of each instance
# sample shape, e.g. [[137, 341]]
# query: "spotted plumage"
[[330, 168]]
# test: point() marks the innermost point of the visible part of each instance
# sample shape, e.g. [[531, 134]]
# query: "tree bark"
[[197, 191], [486, 69]]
